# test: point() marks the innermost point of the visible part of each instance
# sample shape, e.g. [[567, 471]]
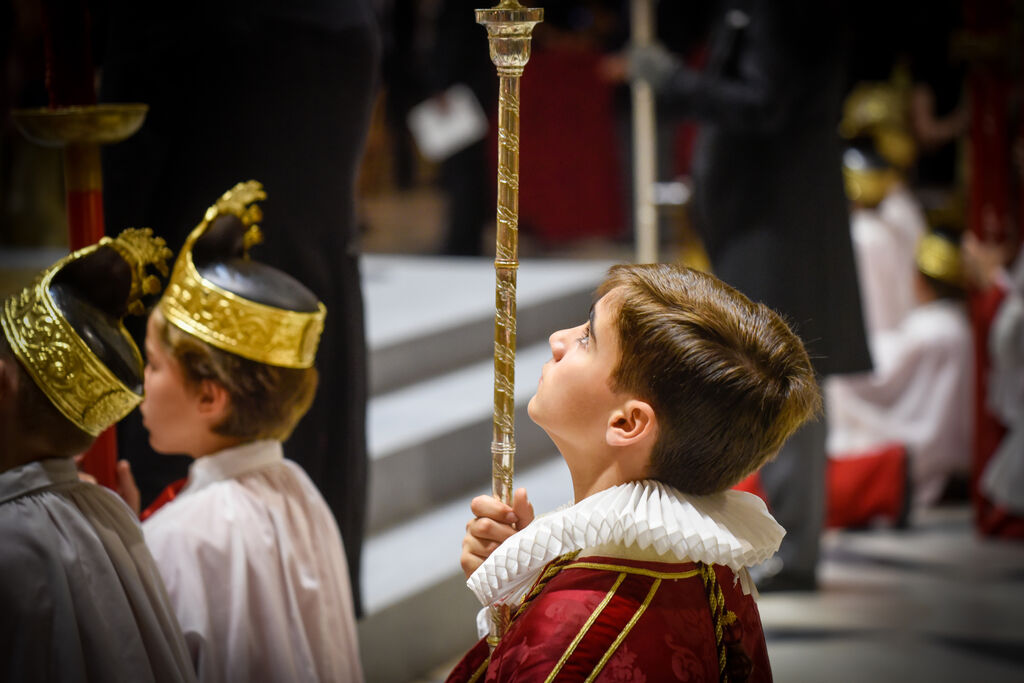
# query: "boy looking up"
[[81, 596], [675, 389], [251, 555]]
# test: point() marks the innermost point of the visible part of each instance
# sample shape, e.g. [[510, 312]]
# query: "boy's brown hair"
[[727, 378], [267, 401]]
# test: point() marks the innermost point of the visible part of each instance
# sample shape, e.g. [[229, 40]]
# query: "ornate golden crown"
[[58, 360], [230, 322], [938, 258]]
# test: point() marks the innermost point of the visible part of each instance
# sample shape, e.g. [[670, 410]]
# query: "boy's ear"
[[632, 424], [214, 400]]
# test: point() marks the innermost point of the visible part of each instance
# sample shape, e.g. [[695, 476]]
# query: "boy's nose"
[[558, 342]]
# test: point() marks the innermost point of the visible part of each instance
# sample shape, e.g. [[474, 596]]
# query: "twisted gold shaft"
[[509, 26]]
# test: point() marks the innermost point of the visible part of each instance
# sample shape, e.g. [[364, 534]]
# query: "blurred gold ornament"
[[868, 187], [879, 111], [940, 259]]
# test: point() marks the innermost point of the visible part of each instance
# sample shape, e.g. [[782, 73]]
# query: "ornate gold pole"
[[509, 26]]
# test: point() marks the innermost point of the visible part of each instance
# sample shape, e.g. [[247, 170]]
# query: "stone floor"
[[930, 603]]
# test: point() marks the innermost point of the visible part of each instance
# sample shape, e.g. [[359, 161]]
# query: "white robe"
[[885, 240], [256, 571], [1003, 478], [903, 211], [80, 595], [919, 394]]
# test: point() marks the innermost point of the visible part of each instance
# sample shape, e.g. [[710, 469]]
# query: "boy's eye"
[[585, 339]]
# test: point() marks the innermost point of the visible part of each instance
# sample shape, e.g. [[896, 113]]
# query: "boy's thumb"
[[522, 508]]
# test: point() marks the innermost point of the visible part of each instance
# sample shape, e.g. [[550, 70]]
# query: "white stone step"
[[413, 588], [430, 325], [428, 315], [431, 441]]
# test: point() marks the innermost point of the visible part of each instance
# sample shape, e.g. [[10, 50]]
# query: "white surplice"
[[80, 595], [903, 211], [919, 394], [885, 241], [255, 568]]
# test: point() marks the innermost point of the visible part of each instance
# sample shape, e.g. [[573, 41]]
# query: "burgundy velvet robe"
[[655, 625]]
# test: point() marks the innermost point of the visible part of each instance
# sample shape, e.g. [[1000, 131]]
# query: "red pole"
[[83, 183]]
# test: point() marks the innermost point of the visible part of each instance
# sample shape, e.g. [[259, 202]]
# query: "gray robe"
[[80, 594]]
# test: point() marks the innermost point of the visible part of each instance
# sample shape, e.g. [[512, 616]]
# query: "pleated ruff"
[[731, 528]]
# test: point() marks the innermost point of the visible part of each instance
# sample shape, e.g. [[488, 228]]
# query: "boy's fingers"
[[487, 529], [522, 508], [492, 508], [126, 486], [469, 563], [474, 552], [479, 547]]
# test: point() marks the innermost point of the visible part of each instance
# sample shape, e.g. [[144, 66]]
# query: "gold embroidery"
[[633, 570], [586, 627], [480, 670], [625, 631], [720, 616], [555, 566]]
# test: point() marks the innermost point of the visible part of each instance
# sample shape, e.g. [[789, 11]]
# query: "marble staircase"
[[430, 328]]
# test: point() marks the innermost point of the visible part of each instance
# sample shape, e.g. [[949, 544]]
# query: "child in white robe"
[[251, 556], [920, 391]]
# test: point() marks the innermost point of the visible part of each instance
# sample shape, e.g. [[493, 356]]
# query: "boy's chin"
[[534, 411], [160, 448]]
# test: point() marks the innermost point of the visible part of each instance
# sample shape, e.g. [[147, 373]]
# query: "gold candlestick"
[[509, 26], [80, 131]]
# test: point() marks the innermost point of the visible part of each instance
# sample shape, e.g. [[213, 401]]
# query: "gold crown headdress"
[[228, 321], [939, 259], [878, 111], [60, 362]]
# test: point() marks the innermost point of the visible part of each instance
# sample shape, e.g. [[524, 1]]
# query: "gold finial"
[[240, 201], [140, 249]]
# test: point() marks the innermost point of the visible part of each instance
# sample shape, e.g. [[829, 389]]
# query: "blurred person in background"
[[281, 92]]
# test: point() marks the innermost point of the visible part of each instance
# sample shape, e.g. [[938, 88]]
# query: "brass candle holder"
[[509, 27], [80, 131]]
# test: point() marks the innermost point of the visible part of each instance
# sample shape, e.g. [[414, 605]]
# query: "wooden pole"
[[645, 222]]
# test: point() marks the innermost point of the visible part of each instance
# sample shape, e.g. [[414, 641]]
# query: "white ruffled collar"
[[731, 528]]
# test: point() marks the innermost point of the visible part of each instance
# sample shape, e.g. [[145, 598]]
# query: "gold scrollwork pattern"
[[81, 387], [262, 333]]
